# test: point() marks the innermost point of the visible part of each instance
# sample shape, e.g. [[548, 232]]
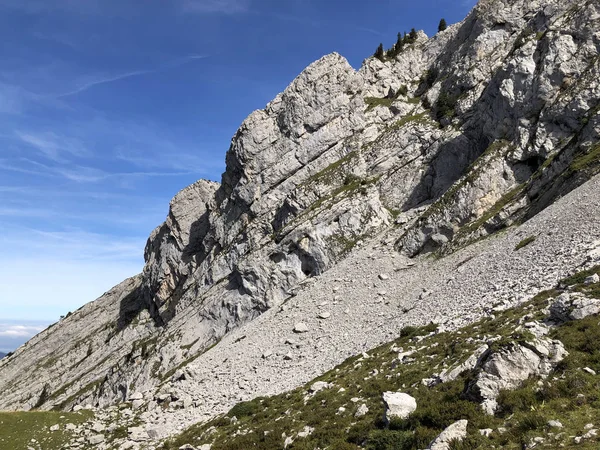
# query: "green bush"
[[245, 409], [445, 105], [390, 440]]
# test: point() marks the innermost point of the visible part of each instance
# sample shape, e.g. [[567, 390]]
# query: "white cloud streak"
[[19, 331], [53, 146], [216, 6], [99, 80]]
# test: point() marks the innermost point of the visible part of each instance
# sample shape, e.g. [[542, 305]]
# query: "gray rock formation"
[[509, 365], [398, 405], [573, 306], [499, 120], [453, 433]]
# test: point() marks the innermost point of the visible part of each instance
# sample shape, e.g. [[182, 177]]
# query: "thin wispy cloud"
[[43, 6], [216, 6], [53, 146], [99, 80]]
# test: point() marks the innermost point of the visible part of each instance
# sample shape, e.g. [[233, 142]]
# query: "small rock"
[[136, 396], [307, 431], [300, 327], [137, 404], [554, 424], [55, 428], [96, 439], [324, 315], [593, 279], [384, 276], [98, 427], [590, 371], [267, 354], [486, 432], [361, 411], [318, 386]]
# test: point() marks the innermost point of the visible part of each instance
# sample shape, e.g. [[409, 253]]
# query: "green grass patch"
[[17, 429], [374, 102], [587, 160]]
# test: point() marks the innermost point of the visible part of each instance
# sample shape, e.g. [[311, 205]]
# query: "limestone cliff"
[[462, 134]]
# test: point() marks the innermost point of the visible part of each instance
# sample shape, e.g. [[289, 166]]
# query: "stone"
[[398, 405], [486, 432], [137, 404], [97, 427], [96, 439], [300, 327], [137, 434], [590, 371], [361, 411], [592, 279], [306, 431], [455, 432], [555, 424], [318, 386], [384, 276], [55, 427], [155, 432], [324, 315], [136, 396]]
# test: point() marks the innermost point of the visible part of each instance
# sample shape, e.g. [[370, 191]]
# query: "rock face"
[[573, 307], [507, 367], [499, 119]]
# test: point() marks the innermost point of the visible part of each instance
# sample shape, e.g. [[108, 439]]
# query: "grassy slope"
[[568, 395], [17, 429]]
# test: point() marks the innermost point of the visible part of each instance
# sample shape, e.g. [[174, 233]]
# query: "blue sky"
[[109, 107]]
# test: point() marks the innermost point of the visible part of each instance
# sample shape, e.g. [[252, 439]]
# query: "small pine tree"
[[442, 26], [413, 35], [379, 53]]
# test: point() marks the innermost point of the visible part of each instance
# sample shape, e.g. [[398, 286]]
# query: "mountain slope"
[[476, 129]]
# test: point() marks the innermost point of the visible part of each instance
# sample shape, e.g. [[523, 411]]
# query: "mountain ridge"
[[462, 135]]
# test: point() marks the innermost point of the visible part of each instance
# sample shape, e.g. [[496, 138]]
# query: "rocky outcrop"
[[462, 134], [506, 366], [452, 434], [573, 306]]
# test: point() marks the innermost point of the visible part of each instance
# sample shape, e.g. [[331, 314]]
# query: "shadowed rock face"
[[499, 120]]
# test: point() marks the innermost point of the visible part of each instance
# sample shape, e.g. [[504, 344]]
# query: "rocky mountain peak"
[[475, 130]]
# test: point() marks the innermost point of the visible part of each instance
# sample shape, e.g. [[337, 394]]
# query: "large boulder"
[[508, 366], [398, 405]]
